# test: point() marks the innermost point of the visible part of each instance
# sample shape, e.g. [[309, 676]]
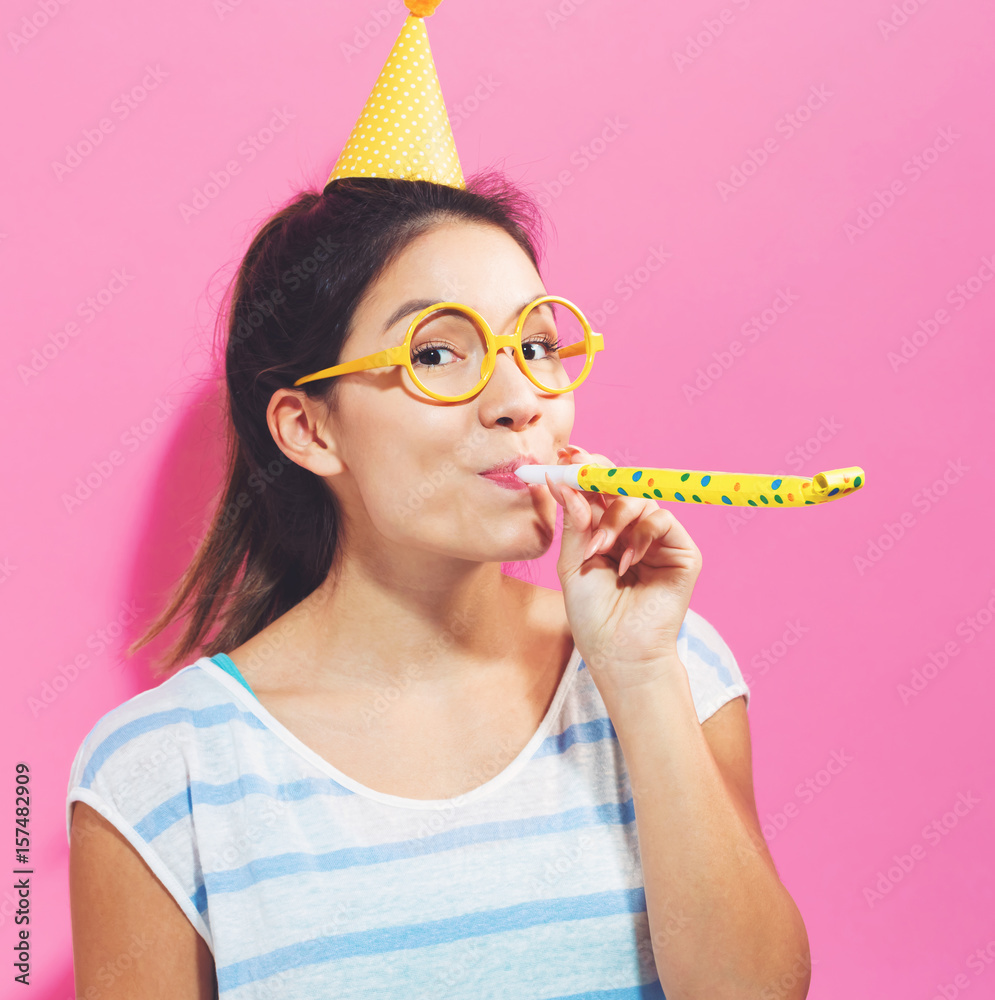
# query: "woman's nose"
[[507, 379], [506, 365]]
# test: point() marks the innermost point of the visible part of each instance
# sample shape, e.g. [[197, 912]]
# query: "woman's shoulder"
[[140, 750], [713, 672], [137, 767], [185, 690]]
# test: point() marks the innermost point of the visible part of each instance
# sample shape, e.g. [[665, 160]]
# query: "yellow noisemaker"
[[404, 128], [734, 489]]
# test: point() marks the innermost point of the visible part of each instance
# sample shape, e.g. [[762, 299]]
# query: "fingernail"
[[597, 541], [626, 559]]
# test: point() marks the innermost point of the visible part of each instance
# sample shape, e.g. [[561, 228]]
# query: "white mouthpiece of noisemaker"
[[536, 474]]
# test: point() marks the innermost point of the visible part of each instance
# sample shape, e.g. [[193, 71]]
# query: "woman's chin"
[[535, 549]]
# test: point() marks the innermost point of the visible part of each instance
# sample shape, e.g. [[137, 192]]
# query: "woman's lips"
[[507, 480]]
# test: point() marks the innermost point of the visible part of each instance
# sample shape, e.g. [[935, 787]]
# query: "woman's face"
[[410, 465]]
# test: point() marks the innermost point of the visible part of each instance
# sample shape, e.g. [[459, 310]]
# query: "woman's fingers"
[[597, 502], [576, 502], [664, 539], [610, 514], [595, 543], [615, 522]]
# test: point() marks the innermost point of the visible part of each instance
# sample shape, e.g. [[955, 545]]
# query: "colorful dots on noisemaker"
[[720, 488]]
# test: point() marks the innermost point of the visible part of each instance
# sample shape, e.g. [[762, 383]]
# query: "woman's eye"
[[547, 343], [433, 353]]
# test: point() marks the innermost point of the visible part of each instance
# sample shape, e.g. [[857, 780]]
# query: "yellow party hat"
[[404, 129]]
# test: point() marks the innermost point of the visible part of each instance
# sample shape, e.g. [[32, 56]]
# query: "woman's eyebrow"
[[416, 305]]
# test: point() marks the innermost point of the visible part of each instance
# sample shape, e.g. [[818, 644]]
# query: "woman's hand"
[[627, 568]]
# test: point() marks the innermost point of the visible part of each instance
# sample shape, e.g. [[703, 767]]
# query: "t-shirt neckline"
[[254, 705]]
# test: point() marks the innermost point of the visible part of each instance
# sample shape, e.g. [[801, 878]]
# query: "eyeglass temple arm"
[[382, 359], [597, 344]]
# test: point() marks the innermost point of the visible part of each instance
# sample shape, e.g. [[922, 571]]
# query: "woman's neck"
[[419, 633]]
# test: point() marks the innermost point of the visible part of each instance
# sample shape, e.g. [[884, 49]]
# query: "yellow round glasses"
[[449, 351]]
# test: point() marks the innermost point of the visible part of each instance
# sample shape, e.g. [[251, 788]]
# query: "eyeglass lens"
[[448, 349]]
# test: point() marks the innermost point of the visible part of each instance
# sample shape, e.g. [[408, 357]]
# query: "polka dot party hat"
[[404, 129]]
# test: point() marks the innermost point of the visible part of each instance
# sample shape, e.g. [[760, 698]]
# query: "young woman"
[[399, 771]]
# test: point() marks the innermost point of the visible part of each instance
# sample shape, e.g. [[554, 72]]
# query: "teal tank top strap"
[[227, 664]]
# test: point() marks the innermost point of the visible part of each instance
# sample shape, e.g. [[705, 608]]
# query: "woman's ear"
[[304, 431]]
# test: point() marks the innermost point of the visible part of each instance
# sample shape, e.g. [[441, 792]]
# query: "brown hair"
[[273, 537]]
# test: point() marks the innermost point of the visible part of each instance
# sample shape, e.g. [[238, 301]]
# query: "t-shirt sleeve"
[[132, 769], [713, 672]]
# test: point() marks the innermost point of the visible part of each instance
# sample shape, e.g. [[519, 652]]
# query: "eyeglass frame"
[[401, 354]]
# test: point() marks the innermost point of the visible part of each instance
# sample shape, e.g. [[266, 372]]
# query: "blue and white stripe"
[[304, 883]]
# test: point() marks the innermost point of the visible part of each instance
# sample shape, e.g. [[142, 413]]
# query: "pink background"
[[865, 263]]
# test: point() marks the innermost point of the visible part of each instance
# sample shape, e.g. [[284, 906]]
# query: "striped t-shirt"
[[305, 883]]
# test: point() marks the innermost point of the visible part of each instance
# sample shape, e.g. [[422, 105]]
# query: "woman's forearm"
[[722, 924]]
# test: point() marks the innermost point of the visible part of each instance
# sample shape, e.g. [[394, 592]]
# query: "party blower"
[[737, 489]]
